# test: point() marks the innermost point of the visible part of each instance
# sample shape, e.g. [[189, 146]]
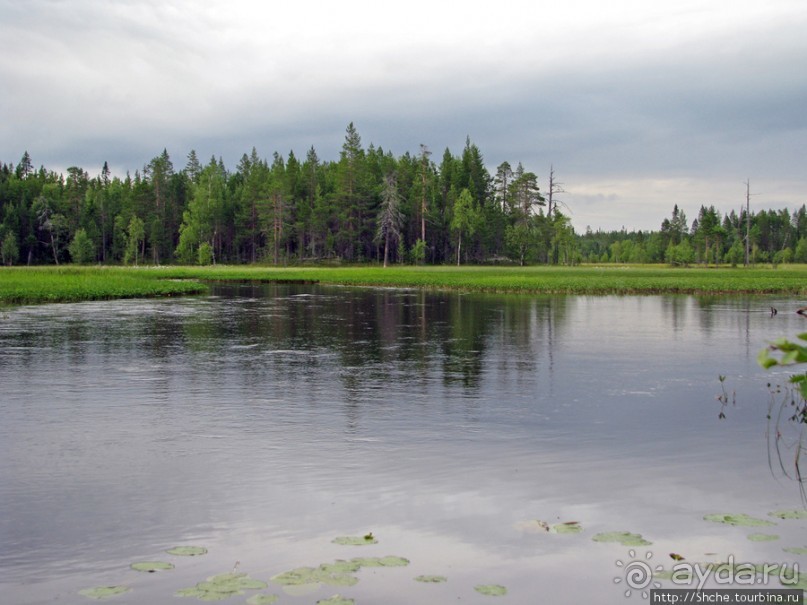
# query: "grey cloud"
[[120, 81]]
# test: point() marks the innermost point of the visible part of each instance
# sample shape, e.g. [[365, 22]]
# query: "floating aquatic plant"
[[538, 526], [740, 519], [262, 599], [491, 590], [332, 574], [336, 600], [569, 527], [187, 551], [388, 561], [622, 537], [338, 573], [301, 590], [789, 514], [222, 587], [762, 537], [151, 566], [103, 592], [355, 540], [341, 566], [431, 579], [298, 576], [796, 550]]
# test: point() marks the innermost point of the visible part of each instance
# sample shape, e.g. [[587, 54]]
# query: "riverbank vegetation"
[[368, 206], [48, 284], [21, 285]]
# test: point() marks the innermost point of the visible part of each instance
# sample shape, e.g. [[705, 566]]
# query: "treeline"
[[366, 206], [770, 236]]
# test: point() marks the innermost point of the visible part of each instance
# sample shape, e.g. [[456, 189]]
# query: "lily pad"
[[151, 566], [301, 590], [262, 599], [295, 577], [388, 561], [336, 600], [622, 537], [491, 590], [762, 537], [187, 551], [570, 527], [796, 550], [431, 579], [333, 574], [103, 592], [341, 566], [799, 513], [338, 573], [740, 519], [355, 540], [222, 587]]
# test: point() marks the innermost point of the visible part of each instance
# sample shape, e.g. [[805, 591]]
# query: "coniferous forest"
[[368, 206]]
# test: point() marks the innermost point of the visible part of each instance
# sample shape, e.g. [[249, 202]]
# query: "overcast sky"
[[638, 104]]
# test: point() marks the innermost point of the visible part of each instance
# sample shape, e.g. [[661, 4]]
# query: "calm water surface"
[[263, 421]]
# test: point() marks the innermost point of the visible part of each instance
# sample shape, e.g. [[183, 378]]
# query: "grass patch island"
[[21, 285], [26, 285]]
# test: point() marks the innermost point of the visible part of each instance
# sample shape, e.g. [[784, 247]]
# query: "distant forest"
[[368, 206]]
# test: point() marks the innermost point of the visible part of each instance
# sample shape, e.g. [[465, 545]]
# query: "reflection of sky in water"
[[264, 424]]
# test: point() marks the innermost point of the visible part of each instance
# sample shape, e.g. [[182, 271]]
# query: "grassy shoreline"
[[21, 285], [27, 285]]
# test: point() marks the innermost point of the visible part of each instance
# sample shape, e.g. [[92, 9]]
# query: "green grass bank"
[[71, 283], [23, 285]]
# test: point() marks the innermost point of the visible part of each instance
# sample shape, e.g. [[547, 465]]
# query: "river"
[[263, 421]]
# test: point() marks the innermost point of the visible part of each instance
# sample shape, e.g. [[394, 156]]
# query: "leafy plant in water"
[[103, 592], [339, 573], [762, 537], [324, 574], [737, 519], [491, 590], [151, 566], [336, 600], [262, 599], [431, 579], [222, 586], [540, 527], [569, 527], [355, 540], [724, 398], [792, 353], [187, 551], [388, 561], [789, 514], [787, 403], [622, 537], [796, 550]]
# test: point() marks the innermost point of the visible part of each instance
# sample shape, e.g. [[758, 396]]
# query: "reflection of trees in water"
[[370, 336], [248, 337]]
